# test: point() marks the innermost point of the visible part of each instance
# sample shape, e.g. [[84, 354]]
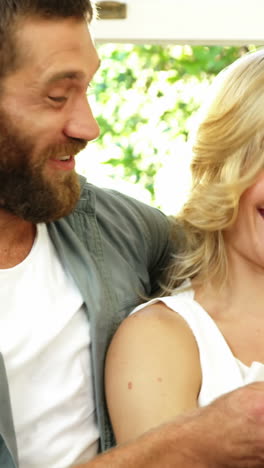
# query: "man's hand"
[[228, 433]]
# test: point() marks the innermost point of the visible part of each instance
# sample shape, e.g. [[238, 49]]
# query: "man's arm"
[[228, 433]]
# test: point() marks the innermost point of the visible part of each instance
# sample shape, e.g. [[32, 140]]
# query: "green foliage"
[[146, 98]]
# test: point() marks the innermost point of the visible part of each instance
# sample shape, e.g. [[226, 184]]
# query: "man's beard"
[[25, 191]]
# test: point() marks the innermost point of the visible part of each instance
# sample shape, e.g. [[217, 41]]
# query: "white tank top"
[[221, 371], [45, 341]]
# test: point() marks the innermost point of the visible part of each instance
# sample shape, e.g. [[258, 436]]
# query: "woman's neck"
[[244, 287]]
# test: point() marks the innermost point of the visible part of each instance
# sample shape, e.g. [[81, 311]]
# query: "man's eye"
[[58, 98]]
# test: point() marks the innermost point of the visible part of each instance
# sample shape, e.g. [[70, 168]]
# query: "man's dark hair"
[[11, 11]]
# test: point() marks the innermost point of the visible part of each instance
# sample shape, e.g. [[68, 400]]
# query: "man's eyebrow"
[[69, 74], [63, 75]]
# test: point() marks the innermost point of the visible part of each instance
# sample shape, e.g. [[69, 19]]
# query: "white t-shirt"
[[45, 341]]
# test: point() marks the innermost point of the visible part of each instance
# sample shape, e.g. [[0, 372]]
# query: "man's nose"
[[81, 122]]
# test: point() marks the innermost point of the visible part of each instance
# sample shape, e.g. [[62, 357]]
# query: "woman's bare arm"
[[152, 371]]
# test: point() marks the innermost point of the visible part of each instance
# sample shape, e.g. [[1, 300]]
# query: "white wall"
[[186, 22]]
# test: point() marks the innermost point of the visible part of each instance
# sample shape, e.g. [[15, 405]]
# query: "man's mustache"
[[69, 148]]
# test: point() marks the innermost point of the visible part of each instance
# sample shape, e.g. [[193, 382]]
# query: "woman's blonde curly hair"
[[228, 154]]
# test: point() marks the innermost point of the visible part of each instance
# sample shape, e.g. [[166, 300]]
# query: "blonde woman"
[[205, 338]]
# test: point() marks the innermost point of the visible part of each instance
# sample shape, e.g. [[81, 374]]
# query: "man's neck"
[[16, 239]]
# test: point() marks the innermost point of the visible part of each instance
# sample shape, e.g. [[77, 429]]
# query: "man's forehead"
[[41, 34], [59, 49]]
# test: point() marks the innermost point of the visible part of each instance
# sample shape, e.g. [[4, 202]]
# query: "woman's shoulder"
[[156, 322]]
